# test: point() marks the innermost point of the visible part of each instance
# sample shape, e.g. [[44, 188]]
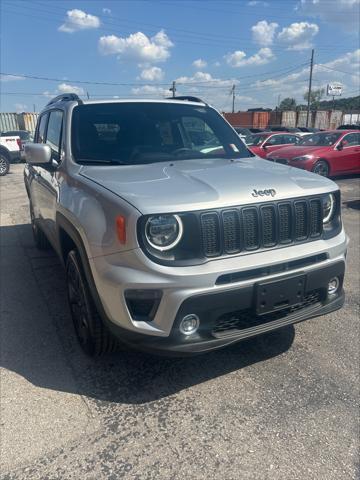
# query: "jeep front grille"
[[255, 227]]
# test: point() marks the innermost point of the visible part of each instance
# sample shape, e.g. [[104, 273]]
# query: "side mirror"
[[37, 153], [265, 146]]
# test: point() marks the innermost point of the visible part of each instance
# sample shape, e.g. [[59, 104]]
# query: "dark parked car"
[[348, 127], [308, 129], [257, 130], [279, 128]]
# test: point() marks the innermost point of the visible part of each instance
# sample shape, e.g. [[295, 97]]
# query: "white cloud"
[[298, 35], [199, 63], [20, 107], [79, 20], [66, 88], [344, 13], [106, 11], [206, 79], [256, 3], [150, 90], [151, 74], [263, 32], [295, 84], [137, 47], [238, 58], [10, 78]]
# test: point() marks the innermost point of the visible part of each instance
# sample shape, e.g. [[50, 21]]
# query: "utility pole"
[[309, 91], [173, 89], [233, 98]]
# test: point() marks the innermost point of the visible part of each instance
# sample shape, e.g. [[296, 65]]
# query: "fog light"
[[189, 324], [333, 286]]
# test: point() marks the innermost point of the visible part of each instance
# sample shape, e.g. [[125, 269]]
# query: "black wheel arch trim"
[[62, 223]]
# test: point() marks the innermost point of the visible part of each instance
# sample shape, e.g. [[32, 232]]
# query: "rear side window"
[[54, 131], [40, 137]]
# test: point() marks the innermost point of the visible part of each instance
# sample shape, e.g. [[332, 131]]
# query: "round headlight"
[[328, 207], [164, 232]]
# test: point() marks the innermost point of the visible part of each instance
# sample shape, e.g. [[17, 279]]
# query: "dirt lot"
[[284, 406]]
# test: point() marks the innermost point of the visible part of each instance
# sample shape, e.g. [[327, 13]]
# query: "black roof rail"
[[187, 98], [66, 97]]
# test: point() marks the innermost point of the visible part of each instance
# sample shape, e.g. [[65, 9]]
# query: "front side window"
[[40, 138], [54, 130], [140, 133], [320, 139], [275, 140], [256, 139]]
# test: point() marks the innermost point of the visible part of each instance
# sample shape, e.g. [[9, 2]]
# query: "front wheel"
[[4, 165], [92, 334], [321, 168]]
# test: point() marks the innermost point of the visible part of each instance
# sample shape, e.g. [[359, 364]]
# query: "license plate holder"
[[275, 295]]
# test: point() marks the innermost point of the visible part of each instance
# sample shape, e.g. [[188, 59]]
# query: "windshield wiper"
[[89, 161]]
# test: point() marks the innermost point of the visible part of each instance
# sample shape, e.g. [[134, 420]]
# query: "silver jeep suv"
[[174, 236]]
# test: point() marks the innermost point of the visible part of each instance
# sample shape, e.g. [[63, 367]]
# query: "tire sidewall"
[[325, 164], [73, 261], [7, 165]]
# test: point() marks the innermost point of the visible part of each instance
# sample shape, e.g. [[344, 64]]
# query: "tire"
[[40, 239], [4, 165], [92, 334], [321, 167]]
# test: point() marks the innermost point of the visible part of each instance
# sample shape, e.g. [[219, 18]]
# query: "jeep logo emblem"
[[263, 193]]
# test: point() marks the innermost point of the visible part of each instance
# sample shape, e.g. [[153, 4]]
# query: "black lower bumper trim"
[[210, 307]]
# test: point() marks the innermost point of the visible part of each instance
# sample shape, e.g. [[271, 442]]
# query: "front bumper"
[[229, 316], [184, 288]]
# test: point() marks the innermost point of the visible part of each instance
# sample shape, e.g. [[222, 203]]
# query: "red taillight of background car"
[[18, 141]]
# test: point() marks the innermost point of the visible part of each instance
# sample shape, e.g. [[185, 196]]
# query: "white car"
[[10, 151]]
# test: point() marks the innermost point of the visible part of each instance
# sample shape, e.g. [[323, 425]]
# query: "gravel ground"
[[283, 406]]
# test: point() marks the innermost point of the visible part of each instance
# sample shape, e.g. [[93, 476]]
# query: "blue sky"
[[261, 47]]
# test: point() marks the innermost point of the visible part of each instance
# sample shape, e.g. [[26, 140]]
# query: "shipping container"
[[260, 119], [351, 118], [8, 121], [239, 119], [27, 121], [288, 119], [301, 120], [335, 119], [275, 118], [322, 119]]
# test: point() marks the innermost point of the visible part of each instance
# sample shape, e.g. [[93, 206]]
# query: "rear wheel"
[[40, 239], [321, 168], [4, 165], [92, 334]]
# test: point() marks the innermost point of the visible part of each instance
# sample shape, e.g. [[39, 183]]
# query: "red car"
[[263, 143], [335, 152]]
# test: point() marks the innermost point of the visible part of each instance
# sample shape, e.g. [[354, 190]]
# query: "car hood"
[[202, 184], [295, 151]]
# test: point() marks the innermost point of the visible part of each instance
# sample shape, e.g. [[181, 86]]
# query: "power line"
[[333, 69]]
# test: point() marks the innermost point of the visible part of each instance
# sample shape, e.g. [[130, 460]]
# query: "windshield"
[[138, 133], [256, 139], [320, 139]]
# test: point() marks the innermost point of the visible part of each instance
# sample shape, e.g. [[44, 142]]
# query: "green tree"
[[288, 104], [315, 96]]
